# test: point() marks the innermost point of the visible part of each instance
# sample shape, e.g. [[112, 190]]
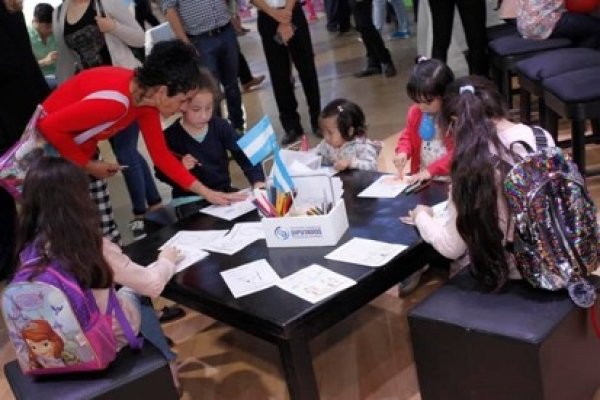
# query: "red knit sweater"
[[409, 143], [68, 115]]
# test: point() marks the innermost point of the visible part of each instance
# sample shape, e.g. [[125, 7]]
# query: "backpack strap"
[[540, 138], [134, 341], [103, 95]]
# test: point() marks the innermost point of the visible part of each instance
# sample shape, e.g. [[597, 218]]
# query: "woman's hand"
[[399, 161], [172, 254], [285, 32], [283, 16], [101, 169], [105, 24]]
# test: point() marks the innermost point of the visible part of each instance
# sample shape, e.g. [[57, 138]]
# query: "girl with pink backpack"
[[61, 308]]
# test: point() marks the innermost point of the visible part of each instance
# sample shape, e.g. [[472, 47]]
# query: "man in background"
[[43, 43]]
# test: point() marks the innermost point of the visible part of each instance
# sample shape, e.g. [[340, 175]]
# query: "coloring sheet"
[[240, 236], [371, 253], [315, 283], [250, 278], [231, 211], [386, 187]]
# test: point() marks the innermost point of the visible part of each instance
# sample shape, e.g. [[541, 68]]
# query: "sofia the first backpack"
[[54, 325]]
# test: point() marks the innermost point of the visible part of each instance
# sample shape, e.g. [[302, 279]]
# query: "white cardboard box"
[[307, 231]]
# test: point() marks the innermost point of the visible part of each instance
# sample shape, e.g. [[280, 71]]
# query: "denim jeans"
[[138, 178], [399, 10], [220, 54]]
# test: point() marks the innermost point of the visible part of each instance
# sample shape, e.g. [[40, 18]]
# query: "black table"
[[278, 316]]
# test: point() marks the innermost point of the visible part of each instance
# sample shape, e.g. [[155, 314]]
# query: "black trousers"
[[377, 53], [473, 14], [279, 57], [244, 72], [338, 15]]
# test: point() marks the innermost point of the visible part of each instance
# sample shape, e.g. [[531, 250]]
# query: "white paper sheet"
[[387, 186], [371, 253], [250, 278], [315, 283], [241, 235], [190, 257], [193, 240], [231, 211]]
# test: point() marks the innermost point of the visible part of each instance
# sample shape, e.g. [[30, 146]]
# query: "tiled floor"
[[366, 356]]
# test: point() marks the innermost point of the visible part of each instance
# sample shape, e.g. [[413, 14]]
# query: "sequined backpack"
[[555, 243]]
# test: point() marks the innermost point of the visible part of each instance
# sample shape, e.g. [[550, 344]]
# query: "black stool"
[[506, 51], [520, 344], [501, 30], [533, 70], [133, 375], [574, 95]]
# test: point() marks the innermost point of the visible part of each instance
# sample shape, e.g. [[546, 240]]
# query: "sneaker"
[[137, 229], [408, 285], [400, 35]]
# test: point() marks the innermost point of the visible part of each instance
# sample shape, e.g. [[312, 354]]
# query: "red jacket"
[[409, 143], [68, 115]]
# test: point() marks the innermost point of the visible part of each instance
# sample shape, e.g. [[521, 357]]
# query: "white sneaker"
[[137, 229]]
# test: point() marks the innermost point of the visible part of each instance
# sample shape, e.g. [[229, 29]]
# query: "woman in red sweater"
[[110, 99]]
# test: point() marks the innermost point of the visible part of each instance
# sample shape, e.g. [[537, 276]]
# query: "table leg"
[[299, 373]]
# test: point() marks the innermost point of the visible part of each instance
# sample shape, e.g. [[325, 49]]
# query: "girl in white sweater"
[[477, 225]]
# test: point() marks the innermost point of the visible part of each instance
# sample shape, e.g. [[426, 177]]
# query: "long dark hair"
[[350, 118], [428, 80], [469, 108], [60, 220]]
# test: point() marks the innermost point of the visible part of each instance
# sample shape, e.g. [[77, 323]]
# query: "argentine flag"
[[281, 177], [259, 141]]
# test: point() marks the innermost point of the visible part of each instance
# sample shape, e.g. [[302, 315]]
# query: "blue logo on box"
[[282, 233]]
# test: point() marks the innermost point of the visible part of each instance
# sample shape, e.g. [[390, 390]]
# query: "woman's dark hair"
[[469, 108], [350, 118], [428, 80], [173, 64], [43, 13], [61, 221]]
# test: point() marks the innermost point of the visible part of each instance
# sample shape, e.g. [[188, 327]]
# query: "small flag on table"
[[281, 177], [259, 141]]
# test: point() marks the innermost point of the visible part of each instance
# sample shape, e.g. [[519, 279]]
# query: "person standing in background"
[[43, 43], [22, 88], [473, 16], [286, 38]]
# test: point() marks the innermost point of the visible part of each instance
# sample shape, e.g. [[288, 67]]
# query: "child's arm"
[[411, 130], [143, 280]]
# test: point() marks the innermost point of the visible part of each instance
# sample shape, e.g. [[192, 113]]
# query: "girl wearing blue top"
[[202, 142]]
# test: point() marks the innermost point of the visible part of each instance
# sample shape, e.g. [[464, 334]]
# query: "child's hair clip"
[[466, 88], [421, 59], [340, 109]]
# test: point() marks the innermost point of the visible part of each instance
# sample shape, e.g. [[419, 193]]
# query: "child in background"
[[63, 226], [202, 140], [429, 151], [345, 144]]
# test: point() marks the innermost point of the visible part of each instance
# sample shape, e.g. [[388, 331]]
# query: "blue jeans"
[[138, 178], [399, 10], [220, 54]]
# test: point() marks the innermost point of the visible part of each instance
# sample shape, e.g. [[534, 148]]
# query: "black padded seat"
[[143, 374], [574, 95], [519, 344], [506, 51], [533, 70]]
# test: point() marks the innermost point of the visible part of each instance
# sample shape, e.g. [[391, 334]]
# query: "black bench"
[[133, 375], [521, 344]]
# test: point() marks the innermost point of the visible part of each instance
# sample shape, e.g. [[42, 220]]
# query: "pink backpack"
[[55, 326]]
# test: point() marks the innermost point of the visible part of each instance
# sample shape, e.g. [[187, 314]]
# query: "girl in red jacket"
[[429, 151]]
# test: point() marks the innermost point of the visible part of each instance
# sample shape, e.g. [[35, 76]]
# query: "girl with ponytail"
[[477, 226]]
